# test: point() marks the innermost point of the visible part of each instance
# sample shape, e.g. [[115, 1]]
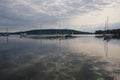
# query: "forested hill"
[[52, 31], [113, 31]]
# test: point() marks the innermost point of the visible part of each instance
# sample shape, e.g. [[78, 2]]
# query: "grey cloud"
[[31, 13], [98, 27], [21, 15]]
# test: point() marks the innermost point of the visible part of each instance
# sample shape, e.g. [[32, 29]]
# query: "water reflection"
[[55, 59], [56, 67]]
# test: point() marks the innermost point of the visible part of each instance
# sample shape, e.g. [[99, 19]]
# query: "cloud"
[[33, 13]]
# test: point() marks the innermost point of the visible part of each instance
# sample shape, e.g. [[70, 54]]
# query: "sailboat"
[[6, 33], [107, 35]]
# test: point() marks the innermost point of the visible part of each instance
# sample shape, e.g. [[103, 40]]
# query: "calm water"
[[58, 59]]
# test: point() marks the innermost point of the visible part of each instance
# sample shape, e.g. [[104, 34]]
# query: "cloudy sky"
[[83, 15]]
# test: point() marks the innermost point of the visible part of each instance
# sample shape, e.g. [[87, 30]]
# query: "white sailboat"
[[107, 35]]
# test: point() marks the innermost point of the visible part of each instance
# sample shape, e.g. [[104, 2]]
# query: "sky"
[[82, 15]]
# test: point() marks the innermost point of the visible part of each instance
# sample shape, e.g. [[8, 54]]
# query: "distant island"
[[49, 31]]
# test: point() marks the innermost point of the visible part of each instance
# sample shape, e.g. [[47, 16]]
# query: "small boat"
[[23, 35], [107, 35], [68, 35], [5, 34]]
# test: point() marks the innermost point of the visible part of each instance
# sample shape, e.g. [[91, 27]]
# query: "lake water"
[[58, 59]]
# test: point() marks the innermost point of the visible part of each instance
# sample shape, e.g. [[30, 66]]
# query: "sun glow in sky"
[[83, 15]]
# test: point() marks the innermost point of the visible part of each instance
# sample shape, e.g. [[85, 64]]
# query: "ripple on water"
[[64, 66]]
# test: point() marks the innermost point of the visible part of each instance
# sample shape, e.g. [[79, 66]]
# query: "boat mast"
[[106, 24], [6, 30], [106, 42]]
